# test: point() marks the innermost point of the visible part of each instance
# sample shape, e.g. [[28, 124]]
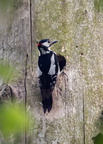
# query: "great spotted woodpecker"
[[49, 66]]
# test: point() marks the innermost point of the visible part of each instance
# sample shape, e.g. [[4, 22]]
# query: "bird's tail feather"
[[47, 103]]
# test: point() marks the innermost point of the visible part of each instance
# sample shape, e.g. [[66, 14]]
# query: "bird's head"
[[44, 45]]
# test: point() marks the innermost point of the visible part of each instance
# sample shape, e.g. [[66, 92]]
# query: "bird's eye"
[[48, 41]]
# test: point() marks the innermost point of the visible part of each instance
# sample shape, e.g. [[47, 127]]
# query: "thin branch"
[[31, 45], [25, 88], [83, 119]]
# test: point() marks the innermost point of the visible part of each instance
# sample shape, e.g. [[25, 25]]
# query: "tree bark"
[[77, 98]]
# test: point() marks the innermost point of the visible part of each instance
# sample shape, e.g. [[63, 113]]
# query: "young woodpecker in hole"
[[49, 66]]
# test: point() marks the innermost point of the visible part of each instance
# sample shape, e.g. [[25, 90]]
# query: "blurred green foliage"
[[98, 5], [98, 139], [13, 119], [7, 72]]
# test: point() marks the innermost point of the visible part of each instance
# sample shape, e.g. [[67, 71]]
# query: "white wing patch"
[[39, 72], [52, 66]]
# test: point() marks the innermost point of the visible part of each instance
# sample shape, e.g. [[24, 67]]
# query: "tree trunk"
[[77, 98]]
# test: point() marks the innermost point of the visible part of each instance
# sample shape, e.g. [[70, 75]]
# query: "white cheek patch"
[[52, 66], [43, 51], [46, 44]]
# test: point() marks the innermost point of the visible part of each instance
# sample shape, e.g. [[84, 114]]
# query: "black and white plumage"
[[49, 66]]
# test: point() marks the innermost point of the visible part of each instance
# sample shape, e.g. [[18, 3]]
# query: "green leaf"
[[98, 139]]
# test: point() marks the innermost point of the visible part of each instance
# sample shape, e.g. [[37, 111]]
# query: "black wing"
[[62, 61]]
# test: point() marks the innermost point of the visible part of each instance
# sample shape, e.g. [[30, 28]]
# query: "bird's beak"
[[53, 42]]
